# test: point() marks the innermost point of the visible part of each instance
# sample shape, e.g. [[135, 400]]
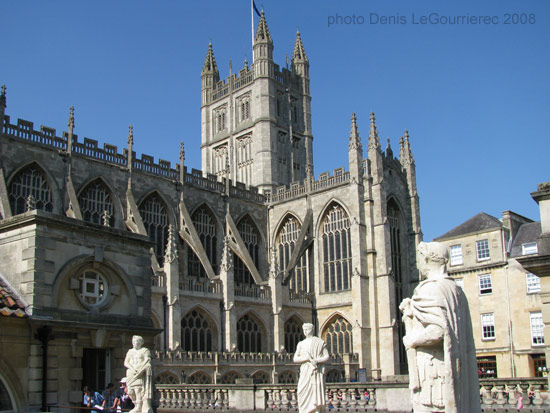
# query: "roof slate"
[[526, 233], [479, 222], [10, 304]]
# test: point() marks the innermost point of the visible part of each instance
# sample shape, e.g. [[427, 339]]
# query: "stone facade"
[[504, 298], [216, 269]]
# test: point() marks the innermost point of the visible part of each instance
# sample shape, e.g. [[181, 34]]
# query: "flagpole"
[[252, 26]]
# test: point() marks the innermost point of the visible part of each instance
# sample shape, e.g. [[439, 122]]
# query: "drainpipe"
[[44, 334]]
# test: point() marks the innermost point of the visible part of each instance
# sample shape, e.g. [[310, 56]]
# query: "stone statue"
[[312, 353], [139, 376], [439, 340]]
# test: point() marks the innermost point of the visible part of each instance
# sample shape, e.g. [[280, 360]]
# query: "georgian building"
[[504, 298], [217, 269]]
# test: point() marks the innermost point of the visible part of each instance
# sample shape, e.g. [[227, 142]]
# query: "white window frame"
[[533, 283], [456, 255], [537, 328], [483, 253], [488, 331], [529, 248], [485, 282]]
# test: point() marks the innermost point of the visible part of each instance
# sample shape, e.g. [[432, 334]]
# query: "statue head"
[[137, 342], [308, 329], [432, 257]]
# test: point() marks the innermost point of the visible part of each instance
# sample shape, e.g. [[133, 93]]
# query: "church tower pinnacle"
[[263, 50], [209, 74]]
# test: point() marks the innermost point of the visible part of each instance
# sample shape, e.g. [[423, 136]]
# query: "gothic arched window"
[[249, 335], [155, 218], [196, 332], [336, 250], [96, 203], [286, 240], [230, 377], [293, 334], [396, 232], [199, 378], [30, 181], [167, 378], [251, 239], [338, 336], [287, 377], [206, 229], [261, 377]]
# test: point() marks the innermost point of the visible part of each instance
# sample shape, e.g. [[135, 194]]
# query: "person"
[[519, 397], [439, 339], [311, 353], [109, 402], [123, 400], [91, 398], [139, 376]]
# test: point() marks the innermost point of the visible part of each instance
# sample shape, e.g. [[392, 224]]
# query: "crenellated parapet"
[[109, 154]]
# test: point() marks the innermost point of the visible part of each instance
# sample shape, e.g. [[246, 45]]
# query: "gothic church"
[[217, 269]]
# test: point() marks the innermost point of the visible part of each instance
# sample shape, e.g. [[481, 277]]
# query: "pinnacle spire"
[[389, 151], [407, 149], [210, 66], [3, 97], [71, 118], [262, 32], [171, 251], [182, 152], [374, 140], [130, 135], [299, 53], [354, 139]]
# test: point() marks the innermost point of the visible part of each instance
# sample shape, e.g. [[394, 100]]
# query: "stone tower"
[[259, 119]]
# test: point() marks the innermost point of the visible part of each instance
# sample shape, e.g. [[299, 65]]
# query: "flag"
[[255, 8]]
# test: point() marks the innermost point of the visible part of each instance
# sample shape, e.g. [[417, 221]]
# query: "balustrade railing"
[[200, 285], [252, 291]]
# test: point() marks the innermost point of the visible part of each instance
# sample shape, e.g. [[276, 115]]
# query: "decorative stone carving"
[[439, 341], [312, 353], [139, 376]]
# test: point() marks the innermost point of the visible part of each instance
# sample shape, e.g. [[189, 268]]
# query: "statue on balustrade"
[[312, 353], [139, 376], [439, 340]]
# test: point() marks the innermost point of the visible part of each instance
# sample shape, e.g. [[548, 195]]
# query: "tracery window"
[[338, 336], [219, 161], [206, 229], [251, 239], [30, 181], [244, 108], [396, 233], [293, 334], [154, 216], [261, 377], [196, 332], [249, 335], [230, 377], [286, 240], [334, 376], [220, 119], [166, 378], [244, 159], [96, 203], [336, 250], [199, 378], [287, 377]]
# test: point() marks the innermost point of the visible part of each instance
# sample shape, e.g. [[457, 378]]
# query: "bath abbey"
[[217, 269]]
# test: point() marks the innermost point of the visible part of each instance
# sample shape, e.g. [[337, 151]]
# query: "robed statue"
[[312, 353], [439, 340], [139, 376]]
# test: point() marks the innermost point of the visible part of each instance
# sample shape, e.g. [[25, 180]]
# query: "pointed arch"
[[31, 179], [287, 377], [293, 333], [206, 225], [230, 377], [166, 377], [335, 247], [261, 377], [199, 377], [397, 230], [154, 214], [250, 334], [286, 237], [250, 234], [95, 199], [198, 331], [338, 335]]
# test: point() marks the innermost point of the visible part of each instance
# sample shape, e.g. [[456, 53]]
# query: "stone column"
[[171, 269], [227, 278], [276, 303]]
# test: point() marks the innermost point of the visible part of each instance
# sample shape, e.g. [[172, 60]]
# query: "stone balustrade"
[[497, 395]]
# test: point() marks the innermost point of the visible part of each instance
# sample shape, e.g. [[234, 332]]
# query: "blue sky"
[[474, 97]]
